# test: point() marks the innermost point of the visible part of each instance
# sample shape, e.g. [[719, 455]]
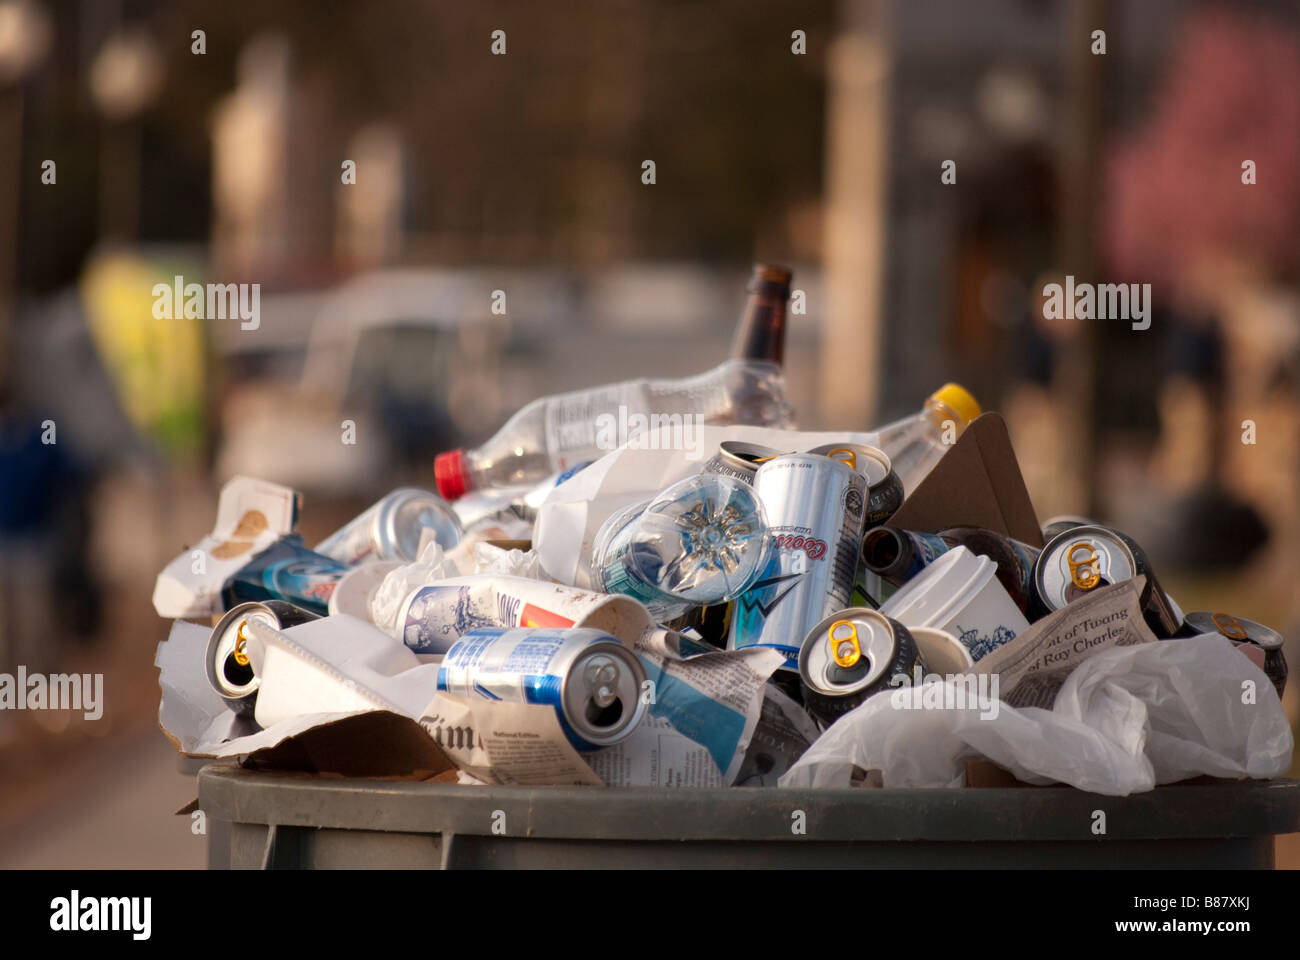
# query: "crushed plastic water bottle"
[[700, 542]]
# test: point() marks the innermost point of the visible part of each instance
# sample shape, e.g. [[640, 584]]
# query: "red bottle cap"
[[449, 473]]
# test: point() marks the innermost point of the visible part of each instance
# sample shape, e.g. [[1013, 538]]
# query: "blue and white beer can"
[[591, 680]]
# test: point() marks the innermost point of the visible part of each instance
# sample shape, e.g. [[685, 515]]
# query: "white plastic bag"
[[1125, 720], [386, 603]]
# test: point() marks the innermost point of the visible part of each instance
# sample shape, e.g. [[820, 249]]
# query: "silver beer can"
[[815, 507], [738, 459], [391, 528]]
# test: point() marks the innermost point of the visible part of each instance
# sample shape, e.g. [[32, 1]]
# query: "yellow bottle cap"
[[958, 399]]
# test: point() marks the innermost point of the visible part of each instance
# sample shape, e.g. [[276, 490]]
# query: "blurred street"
[[111, 809]]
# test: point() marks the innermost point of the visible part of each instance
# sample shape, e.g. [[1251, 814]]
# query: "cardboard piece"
[[975, 484], [365, 743], [251, 516], [377, 745], [522, 545], [983, 774]]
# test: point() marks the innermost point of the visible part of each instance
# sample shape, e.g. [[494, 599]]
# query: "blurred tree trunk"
[[1076, 379]]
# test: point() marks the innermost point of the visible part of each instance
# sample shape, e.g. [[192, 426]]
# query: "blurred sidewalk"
[[116, 809]]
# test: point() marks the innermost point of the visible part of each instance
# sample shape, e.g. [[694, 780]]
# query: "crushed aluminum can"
[[286, 571]]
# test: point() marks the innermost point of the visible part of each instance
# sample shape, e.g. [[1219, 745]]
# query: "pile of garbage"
[[664, 583]]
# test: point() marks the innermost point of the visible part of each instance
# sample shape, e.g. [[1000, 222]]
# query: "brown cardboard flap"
[[981, 774], [375, 744], [524, 545], [976, 484]]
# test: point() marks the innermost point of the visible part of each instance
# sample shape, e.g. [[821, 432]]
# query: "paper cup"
[[353, 592], [959, 593], [941, 651]]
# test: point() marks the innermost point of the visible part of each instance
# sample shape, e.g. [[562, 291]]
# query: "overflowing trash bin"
[[665, 584]]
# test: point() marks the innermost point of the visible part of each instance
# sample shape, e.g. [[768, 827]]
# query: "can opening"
[[1073, 592], [607, 716], [836, 674], [237, 674]]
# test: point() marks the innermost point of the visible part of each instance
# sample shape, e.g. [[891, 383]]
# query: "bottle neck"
[[939, 413], [760, 334], [452, 474]]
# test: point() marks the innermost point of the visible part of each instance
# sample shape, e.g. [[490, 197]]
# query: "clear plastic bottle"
[[700, 542], [554, 433], [513, 507], [915, 444]]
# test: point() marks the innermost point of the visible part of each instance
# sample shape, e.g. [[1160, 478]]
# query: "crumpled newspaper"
[[1123, 721]]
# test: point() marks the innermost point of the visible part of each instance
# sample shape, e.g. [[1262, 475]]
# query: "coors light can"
[[815, 507]]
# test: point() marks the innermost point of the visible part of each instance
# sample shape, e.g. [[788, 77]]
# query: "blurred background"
[[145, 139]]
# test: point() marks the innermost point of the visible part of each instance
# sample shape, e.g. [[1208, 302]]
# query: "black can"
[[850, 656], [884, 489], [884, 499], [1082, 558], [228, 669]]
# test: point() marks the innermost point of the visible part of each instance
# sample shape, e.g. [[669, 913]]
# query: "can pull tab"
[[850, 459], [1083, 566], [845, 650], [240, 654], [1229, 626]]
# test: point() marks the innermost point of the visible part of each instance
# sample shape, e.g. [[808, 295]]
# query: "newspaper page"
[[656, 755], [715, 699], [1032, 667], [784, 731], [504, 743]]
